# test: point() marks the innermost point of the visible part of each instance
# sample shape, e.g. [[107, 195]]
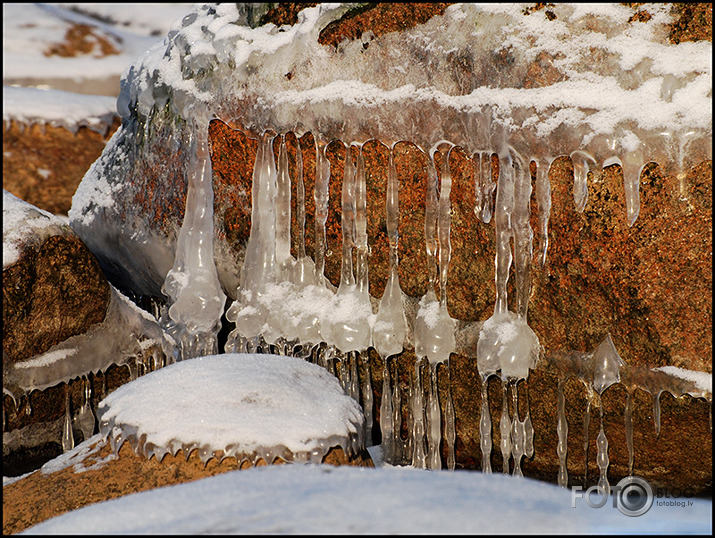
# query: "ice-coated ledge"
[[243, 404]]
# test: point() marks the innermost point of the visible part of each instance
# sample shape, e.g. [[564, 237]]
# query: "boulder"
[[612, 209], [50, 139], [62, 323], [92, 473]]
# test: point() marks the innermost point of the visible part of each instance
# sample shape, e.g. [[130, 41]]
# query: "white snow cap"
[[24, 224], [240, 403]]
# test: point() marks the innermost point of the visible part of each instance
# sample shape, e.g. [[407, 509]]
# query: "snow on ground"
[[32, 33], [58, 108], [306, 498]]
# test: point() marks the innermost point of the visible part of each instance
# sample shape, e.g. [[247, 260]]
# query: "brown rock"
[[43, 164], [65, 490], [51, 294]]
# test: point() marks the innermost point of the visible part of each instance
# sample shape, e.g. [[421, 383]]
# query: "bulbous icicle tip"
[[606, 365]]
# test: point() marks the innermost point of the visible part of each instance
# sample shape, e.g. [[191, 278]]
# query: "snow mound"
[[249, 406]]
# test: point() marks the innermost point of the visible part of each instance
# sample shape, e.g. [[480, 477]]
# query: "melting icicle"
[[586, 424], [656, 412], [485, 428], [602, 459], [85, 419], [348, 324], [484, 186], [390, 327], [367, 398], [505, 429], [419, 456], [628, 418], [633, 164], [543, 197], [434, 434], [450, 421], [434, 328], [562, 428], [192, 285], [517, 433], [67, 436], [259, 259], [606, 372], [581, 161], [387, 420]]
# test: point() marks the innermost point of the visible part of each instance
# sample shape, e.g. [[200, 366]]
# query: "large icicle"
[[192, 285]]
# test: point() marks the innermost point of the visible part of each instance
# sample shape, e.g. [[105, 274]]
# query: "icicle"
[[517, 432], [607, 363], [505, 429], [367, 399], [528, 426], [192, 285], [348, 325], [67, 436], [633, 164], [586, 424], [562, 428], [259, 259], [320, 194], [483, 185], [352, 358], [419, 456], [581, 161], [628, 417], [434, 328], [656, 412], [602, 458], [284, 260], [543, 197], [401, 447], [434, 434], [387, 420], [304, 269], [85, 419], [390, 329], [485, 427], [28, 406], [450, 421]]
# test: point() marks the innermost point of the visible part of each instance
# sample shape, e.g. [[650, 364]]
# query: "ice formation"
[[126, 335], [192, 285], [641, 100], [247, 406]]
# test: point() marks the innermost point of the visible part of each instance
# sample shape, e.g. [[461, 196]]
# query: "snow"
[[24, 225], [30, 30], [58, 108], [250, 402], [702, 380], [320, 498]]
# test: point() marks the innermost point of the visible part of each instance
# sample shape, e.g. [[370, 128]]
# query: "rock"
[[604, 272], [44, 164], [50, 139], [62, 321], [95, 474]]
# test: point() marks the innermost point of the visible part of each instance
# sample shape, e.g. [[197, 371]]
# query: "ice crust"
[[126, 333], [243, 405]]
